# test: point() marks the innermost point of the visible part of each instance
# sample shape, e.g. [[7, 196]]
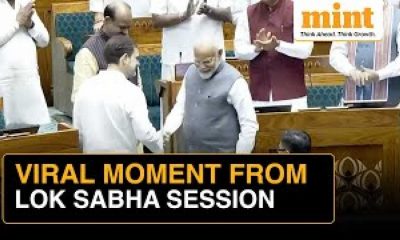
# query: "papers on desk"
[[316, 109], [365, 103], [266, 108]]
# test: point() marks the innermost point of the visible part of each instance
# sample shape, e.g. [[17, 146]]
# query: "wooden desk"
[[365, 144], [65, 140]]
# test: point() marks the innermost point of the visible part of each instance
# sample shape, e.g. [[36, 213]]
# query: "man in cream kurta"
[[87, 63], [20, 32]]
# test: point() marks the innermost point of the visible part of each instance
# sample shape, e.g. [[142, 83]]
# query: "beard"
[[209, 74]]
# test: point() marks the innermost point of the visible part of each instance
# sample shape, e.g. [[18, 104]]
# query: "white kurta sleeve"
[[175, 117], [338, 58], [142, 127], [393, 68], [39, 32], [240, 97], [244, 49], [301, 50], [237, 8], [7, 31], [159, 7]]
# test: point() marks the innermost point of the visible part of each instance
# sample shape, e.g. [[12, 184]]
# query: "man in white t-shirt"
[[184, 21], [110, 112], [140, 8]]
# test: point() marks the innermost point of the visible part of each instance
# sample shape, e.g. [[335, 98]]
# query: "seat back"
[[150, 71], [324, 83], [76, 27], [74, 22]]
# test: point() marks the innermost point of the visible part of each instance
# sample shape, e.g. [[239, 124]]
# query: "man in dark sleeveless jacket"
[[213, 106], [90, 59], [264, 36]]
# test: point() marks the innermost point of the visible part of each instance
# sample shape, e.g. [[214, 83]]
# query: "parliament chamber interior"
[[364, 141]]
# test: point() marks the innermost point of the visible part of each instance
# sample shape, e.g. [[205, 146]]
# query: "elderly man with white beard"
[[214, 106]]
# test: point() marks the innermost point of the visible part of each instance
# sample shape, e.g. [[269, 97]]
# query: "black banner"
[[168, 189]]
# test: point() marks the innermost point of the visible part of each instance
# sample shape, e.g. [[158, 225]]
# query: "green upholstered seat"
[[324, 96]]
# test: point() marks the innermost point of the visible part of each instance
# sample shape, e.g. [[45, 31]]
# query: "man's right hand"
[[166, 137], [24, 15], [358, 77], [265, 41], [191, 9]]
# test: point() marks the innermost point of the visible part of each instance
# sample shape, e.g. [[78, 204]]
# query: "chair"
[[324, 83], [150, 71], [72, 24]]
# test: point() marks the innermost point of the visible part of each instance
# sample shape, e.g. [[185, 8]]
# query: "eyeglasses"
[[209, 62]]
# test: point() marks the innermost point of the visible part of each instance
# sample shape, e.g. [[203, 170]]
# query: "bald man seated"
[[214, 106]]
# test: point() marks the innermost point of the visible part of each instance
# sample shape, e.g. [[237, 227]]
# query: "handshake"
[[166, 137], [363, 76]]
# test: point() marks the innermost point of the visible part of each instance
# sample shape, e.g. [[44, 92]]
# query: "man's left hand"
[[268, 45]]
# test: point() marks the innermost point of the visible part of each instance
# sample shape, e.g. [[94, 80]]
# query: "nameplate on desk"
[[20, 129], [275, 108], [365, 103], [318, 109]]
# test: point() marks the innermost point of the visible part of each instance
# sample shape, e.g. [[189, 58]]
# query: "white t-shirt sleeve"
[[142, 127], [96, 6], [159, 7]]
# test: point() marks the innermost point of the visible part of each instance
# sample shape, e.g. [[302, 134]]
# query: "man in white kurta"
[[20, 32], [111, 112], [372, 68], [183, 22]]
